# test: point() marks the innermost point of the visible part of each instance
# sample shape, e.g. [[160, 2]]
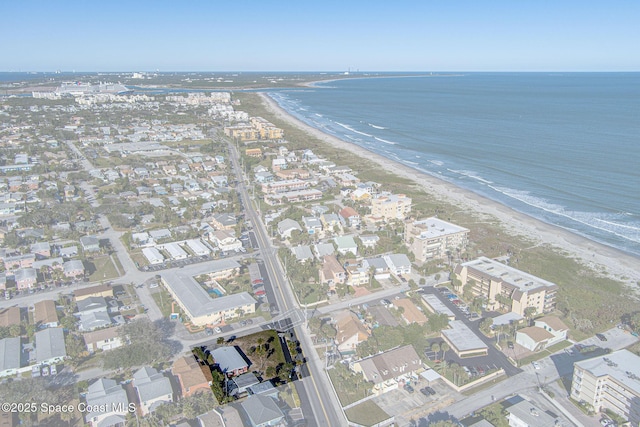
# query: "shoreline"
[[597, 256]]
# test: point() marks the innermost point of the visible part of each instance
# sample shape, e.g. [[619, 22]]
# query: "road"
[[317, 387]]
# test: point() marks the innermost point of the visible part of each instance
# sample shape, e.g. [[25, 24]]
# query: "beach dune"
[[599, 257]]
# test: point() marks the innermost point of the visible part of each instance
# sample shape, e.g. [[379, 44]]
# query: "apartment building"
[[392, 206], [433, 238], [499, 282], [610, 382]]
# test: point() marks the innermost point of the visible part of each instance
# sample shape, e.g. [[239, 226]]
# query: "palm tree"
[[435, 347], [444, 347]]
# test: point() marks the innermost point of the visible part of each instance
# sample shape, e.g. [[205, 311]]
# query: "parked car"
[[45, 371], [408, 388], [510, 344], [385, 302], [601, 337], [53, 369], [535, 364], [428, 391], [35, 371], [217, 330]]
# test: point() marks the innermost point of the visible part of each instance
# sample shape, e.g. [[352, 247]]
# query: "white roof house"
[[153, 256], [346, 244], [175, 251], [398, 263], [197, 247], [50, 346]]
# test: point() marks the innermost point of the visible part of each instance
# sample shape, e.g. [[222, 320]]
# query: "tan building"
[[45, 314], [410, 312], [392, 206], [332, 273], [93, 291], [389, 369], [192, 376], [243, 132], [433, 238], [253, 152], [497, 281], [9, 316], [103, 339], [350, 333], [609, 382], [266, 129]]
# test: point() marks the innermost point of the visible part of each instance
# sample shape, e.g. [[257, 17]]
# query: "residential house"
[[357, 275], [389, 369], [73, 268], [244, 382], [330, 221], [312, 224], [225, 240], [192, 376], [287, 226], [94, 320], [533, 338], [153, 255], [90, 243], [25, 278], [45, 314], [104, 340], [302, 253], [410, 312], [9, 356], [332, 273], [50, 346], [224, 221], [350, 332], [9, 316], [153, 388], [230, 360], [262, 411], [346, 244], [107, 403], [41, 250], [399, 264], [379, 266], [369, 241], [553, 325], [93, 304], [68, 251], [351, 216], [93, 291], [323, 249]]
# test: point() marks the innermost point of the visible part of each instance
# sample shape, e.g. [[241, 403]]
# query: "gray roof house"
[[323, 249], [302, 253], [108, 403], [230, 360], [9, 356], [346, 244], [92, 305], [94, 320], [262, 411], [287, 226], [312, 224], [154, 389], [50, 346], [398, 263], [90, 243]]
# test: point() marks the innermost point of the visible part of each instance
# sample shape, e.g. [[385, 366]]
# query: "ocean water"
[[563, 148]]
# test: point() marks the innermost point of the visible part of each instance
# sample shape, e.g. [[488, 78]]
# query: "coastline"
[[615, 263]]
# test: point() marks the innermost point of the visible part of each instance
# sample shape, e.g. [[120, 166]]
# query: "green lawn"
[[366, 413], [344, 382], [544, 353], [163, 301], [104, 269]]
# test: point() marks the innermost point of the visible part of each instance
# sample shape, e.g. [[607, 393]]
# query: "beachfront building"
[[433, 238], [389, 369], [463, 341], [609, 382], [503, 285], [266, 129], [391, 206]]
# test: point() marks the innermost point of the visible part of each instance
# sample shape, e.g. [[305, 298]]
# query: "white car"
[[535, 364], [153, 285]]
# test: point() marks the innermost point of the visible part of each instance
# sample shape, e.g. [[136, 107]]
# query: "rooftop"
[[462, 337], [433, 227], [622, 365], [512, 276]]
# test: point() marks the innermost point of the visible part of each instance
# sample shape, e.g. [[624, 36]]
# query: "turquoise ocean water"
[[563, 148]]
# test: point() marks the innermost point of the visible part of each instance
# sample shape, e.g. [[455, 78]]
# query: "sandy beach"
[[616, 263]]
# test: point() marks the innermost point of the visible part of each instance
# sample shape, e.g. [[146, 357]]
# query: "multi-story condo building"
[[391, 206], [503, 285], [610, 382], [433, 238]]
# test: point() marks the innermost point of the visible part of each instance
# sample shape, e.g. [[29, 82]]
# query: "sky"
[[328, 35]]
